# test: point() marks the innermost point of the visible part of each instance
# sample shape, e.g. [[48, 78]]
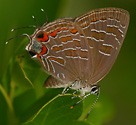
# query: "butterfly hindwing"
[[104, 30]]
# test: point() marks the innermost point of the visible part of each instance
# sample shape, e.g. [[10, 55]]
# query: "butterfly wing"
[[104, 30], [67, 52]]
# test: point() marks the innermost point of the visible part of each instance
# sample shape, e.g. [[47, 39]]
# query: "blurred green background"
[[20, 99]]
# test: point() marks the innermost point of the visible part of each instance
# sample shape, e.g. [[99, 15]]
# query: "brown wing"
[[104, 30], [68, 55], [52, 82]]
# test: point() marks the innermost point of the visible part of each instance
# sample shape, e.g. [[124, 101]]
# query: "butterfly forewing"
[[55, 46], [68, 56], [104, 30]]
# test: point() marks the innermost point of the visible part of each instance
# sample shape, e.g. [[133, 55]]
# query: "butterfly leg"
[[67, 88], [76, 91], [95, 91], [80, 100], [82, 94], [77, 96], [98, 94]]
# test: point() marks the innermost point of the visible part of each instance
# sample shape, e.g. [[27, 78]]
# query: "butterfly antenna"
[[23, 28], [47, 20], [98, 94], [36, 22], [17, 37]]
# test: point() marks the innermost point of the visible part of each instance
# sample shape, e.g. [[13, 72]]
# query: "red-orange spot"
[[71, 107], [58, 30], [61, 47], [73, 31], [106, 49], [103, 18], [94, 20], [63, 39], [69, 38], [44, 39], [81, 34], [44, 50], [85, 25], [53, 34], [71, 53], [56, 48], [85, 119], [57, 60], [65, 29], [77, 43]]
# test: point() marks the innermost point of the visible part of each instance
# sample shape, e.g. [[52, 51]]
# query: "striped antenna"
[[17, 37], [23, 28], [36, 22], [47, 20]]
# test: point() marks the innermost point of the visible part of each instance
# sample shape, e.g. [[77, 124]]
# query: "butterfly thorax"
[[82, 85]]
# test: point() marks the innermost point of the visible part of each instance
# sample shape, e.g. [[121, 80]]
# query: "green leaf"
[[3, 109], [57, 110], [101, 112], [6, 109]]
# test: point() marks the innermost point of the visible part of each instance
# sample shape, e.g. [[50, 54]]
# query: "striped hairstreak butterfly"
[[79, 52]]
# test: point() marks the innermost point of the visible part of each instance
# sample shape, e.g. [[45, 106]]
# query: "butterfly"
[[79, 52]]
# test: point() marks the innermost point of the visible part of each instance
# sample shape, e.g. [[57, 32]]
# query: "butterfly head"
[[95, 89], [36, 46]]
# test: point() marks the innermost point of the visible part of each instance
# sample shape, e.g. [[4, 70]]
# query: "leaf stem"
[[6, 98], [26, 75], [46, 105]]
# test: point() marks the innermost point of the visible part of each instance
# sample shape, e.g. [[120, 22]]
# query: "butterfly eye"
[[32, 54], [95, 88]]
